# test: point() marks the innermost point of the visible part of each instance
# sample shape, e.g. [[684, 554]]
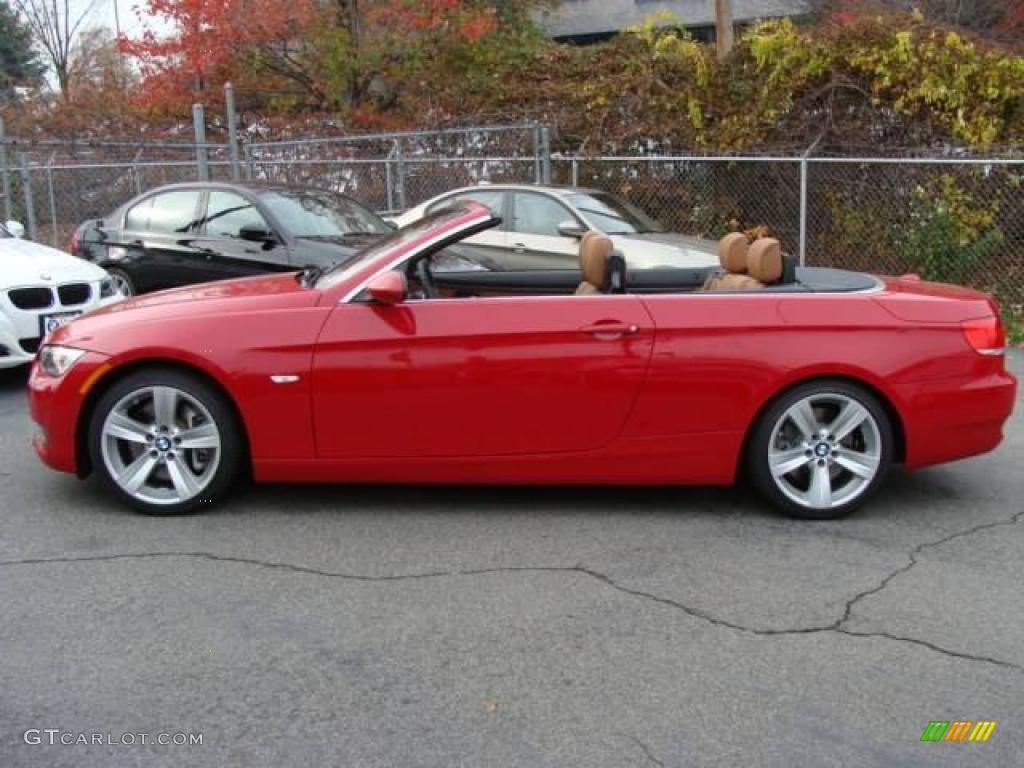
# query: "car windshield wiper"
[[339, 236], [309, 276]]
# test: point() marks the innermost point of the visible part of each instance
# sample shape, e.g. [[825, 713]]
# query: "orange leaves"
[[210, 42]]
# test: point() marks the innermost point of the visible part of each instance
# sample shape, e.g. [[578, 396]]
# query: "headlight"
[[56, 361], [107, 288]]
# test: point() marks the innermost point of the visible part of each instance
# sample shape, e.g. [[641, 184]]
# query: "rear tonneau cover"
[[919, 301]]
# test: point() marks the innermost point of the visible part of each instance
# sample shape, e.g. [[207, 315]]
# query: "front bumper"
[[55, 405], [20, 328]]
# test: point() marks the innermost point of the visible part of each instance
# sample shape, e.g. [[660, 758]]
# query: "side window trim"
[[147, 201], [552, 198], [203, 229]]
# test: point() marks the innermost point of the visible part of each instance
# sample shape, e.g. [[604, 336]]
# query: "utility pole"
[[723, 28]]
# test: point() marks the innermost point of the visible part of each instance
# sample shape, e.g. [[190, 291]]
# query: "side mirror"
[[571, 229], [15, 228], [388, 289], [392, 225], [256, 234]]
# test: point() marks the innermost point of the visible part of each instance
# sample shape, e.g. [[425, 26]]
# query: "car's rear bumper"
[[55, 405], [947, 420]]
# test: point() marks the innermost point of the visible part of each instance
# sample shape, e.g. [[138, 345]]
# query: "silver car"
[[542, 226]]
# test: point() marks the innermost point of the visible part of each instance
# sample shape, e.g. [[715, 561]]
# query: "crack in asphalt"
[[836, 626], [645, 749]]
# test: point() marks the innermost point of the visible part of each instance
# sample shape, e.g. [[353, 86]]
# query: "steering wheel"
[[426, 279]]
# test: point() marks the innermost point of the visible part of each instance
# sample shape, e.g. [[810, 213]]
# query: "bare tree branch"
[[54, 27]]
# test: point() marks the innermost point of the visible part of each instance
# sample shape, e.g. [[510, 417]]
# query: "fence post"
[[389, 184], [250, 170], [401, 175], [803, 210], [53, 199], [229, 106], [199, 125], [538, 171], [136, 181], [545, 154], [575, 171], [30, 206], [805, 167], [8, 211]]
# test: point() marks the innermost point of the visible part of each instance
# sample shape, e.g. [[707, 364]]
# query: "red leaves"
[[206, 46]]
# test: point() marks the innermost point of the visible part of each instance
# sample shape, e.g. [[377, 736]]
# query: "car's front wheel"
[[821, 450], [122, 282], [165, 441]]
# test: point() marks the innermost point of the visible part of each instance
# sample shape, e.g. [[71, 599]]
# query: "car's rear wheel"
[[821, 449], [122, 282], [164, 441]]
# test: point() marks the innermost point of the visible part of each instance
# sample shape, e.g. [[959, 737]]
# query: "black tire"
[[763, 435], [127, 284], [232, 443]]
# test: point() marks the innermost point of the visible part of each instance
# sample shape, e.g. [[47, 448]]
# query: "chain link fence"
[[958, 220], [954, 220]]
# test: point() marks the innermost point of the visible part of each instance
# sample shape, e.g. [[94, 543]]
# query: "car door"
[[491, 244], [158, 235], [478, 376], [226, 253], [534, 237]]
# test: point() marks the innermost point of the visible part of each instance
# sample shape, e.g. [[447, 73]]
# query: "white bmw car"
[[42, 288], [542, 225]]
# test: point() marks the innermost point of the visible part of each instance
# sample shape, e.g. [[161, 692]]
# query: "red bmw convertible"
[[421, 361]]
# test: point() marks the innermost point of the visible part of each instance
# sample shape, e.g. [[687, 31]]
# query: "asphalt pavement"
[[442, 627]]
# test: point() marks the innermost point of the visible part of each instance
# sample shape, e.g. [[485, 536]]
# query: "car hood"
[[23, 262], [252, 294]]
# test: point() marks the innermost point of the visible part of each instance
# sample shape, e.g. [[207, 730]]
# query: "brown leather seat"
[[732, 255], [595, 248], [764, 260], [763, 264]]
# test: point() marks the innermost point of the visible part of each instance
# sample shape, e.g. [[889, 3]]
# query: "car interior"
[[462, 271]]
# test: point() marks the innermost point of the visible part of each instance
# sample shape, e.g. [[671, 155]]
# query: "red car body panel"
[[624, 389]]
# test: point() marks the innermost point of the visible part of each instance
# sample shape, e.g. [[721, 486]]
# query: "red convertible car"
[[419, 361]]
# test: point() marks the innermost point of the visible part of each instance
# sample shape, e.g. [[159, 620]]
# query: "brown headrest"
[[595, 248], [764, 262], [732, 253]]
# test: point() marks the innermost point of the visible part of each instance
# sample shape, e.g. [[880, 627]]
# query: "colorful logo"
[[958, 730]]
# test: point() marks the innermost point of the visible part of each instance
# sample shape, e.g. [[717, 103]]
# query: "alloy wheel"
[[825, 451], [121, 284], [160, 445]]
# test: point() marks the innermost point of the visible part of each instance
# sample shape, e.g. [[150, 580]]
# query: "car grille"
[[31, 298], [31, 346], [73, 293]]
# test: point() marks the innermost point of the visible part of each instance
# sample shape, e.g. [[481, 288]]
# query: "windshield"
[[315, 214], [613, 215], [396, 240]]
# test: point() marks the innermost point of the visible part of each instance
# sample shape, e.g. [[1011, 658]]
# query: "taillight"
[[74, 244], [986, 336]]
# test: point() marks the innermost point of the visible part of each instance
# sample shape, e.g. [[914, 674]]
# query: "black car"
[[198, 232]]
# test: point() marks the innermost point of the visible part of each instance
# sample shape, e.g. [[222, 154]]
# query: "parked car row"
[[190, 233]]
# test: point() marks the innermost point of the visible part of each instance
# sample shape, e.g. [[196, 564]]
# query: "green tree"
[[19, 65]]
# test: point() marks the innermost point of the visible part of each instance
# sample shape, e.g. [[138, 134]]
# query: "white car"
[[542, 226], [41, 289]]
